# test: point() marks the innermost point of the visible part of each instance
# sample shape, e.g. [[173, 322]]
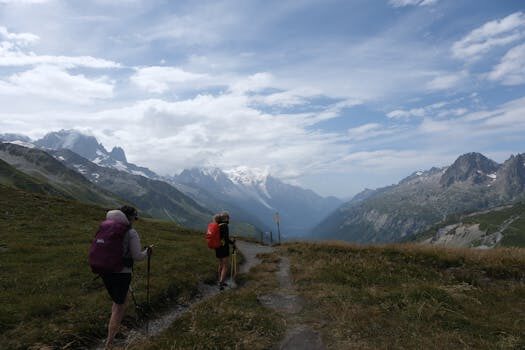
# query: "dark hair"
[[225, 216], [129, 211]]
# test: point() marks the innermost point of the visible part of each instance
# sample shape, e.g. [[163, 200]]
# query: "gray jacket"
[[132, 247]]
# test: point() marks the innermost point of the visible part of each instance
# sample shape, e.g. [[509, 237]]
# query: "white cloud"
[[159, 79], [446, 81], [510, 116], [368, 131], [13, 53], [403, 3], [492, 34], [16, 2], [511, 69], [333, 111], [393, 160], [199, 25], [17, 59], [253, 83], [222, 130], [18, 38], [505, 120], [54, 83], [417, 112], [289, 98]]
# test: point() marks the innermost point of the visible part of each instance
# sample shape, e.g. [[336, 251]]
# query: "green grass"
[[47, 292], [234, 319], [410, 297]]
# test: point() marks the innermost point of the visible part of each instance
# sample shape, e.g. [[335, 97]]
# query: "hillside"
[[46, 169], [48, 294], [11, 177], [154, 197], [502, 226]]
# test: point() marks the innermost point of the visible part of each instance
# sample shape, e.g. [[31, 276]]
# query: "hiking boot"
[[222, 285]]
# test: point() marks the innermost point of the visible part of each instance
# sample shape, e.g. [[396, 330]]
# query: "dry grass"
[[412, 297]]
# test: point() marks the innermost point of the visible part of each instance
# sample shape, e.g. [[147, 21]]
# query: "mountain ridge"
[[473, 182]]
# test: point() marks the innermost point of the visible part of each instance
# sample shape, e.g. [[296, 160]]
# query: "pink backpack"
[[107, 249]]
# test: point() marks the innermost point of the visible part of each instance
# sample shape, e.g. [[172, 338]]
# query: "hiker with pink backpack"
[[115, 247]]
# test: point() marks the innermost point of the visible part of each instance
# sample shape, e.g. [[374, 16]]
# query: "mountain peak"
[[118, 154], [205, 177], [14, 137], [472, 167], [511, 176], [247, 176], [85, 145]]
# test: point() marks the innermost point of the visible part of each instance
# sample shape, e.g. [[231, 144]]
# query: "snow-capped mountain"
[[261, 195], [89, 148], [251, 195], [17, 139]]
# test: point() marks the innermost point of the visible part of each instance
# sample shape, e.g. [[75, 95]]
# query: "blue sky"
[[336, 96]]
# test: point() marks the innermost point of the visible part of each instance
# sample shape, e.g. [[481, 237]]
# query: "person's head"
[[217, 218], [225, 217], [130, 212]]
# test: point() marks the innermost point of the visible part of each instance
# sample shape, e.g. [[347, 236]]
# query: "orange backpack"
[[213, 235]]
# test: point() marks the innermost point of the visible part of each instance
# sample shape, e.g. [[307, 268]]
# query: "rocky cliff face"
[[471, 167], [511, 177]]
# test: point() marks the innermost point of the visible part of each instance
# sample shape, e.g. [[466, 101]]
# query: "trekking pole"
[[233, 271], [147, 289], [137, 307]]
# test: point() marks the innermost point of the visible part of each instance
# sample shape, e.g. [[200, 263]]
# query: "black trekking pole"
[[147, 289], [138, 309], [233, 266]]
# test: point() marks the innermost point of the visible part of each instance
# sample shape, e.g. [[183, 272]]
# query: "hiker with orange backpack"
[[223, 251], [115, 247]]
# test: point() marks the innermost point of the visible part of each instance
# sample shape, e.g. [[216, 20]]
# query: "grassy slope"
[[235, 319], [513, 236], [47, 295], [409, 297], [43, 167], [11, 177]]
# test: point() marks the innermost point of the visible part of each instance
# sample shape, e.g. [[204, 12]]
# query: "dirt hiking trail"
[[283, 300], [288, 303]]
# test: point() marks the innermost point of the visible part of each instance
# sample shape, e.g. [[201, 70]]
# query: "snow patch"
[[80, 169], [136, 172], [120, 166], [22, 143], [246, 176], [71, 139], [492, 176], [419, 173]]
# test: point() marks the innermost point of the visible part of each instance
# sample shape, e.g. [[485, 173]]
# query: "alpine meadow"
[[233, 174]]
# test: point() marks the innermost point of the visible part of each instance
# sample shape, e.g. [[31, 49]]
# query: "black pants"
[[117, 285]]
